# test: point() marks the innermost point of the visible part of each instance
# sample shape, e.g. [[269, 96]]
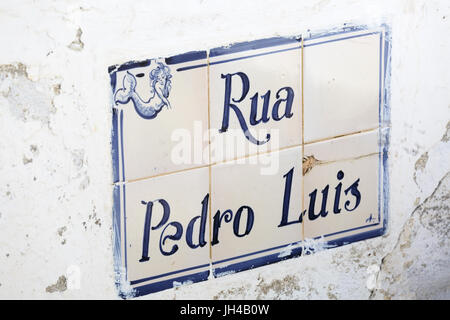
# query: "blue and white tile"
[[342, 83], [160, 118], [263, 76], [343, 186], [163, 229], [255, 211]]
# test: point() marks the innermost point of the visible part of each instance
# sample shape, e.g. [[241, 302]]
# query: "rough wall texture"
[[55, 166]]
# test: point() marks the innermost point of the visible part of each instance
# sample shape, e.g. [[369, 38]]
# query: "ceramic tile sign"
[[240, 156]]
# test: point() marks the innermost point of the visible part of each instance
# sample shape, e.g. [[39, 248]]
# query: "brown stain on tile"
[[309, 162]]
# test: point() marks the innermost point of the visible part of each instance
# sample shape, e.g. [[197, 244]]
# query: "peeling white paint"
[[315, 245], [226, 273], [126, 290], [177, 284]]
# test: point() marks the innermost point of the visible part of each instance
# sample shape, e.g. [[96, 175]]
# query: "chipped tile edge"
[[124, 289]]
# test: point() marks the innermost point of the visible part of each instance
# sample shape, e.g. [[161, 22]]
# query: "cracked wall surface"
[[55, 164], [406, 274]]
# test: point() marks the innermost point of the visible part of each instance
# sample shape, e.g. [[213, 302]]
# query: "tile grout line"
[[205, 165], [209, 166], [160, 175], [303, 145], [347, 159]]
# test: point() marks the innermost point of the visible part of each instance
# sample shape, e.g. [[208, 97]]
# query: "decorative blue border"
[[116, 237], [256, 262], [247, 46], [168, 284], [186, 57], [253, 45], [384, 133], [340, 39], [115, 145]]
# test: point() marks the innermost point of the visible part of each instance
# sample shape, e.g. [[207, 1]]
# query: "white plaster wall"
[[55, 123]]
